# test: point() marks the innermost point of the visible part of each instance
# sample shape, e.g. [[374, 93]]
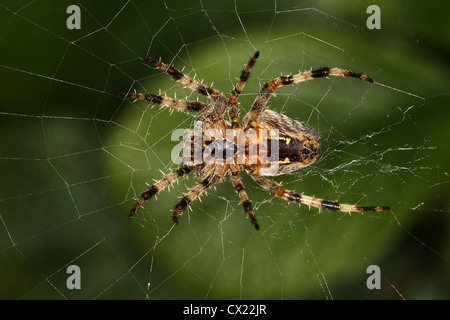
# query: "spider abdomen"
[[292, 145]]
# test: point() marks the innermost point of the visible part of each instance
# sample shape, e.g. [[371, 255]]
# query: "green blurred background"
[[73, 154]]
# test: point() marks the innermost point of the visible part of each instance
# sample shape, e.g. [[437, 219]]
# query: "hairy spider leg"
[[194, 193], [188, 82], [268, 89], [160, 185], [238, 186], [233, 108], [214, 112], [276, 189], [181, 105]]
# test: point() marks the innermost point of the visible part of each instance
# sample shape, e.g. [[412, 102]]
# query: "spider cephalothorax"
[[265, 143]]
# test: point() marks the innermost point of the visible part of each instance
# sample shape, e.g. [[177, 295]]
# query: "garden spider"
[[298, 145]]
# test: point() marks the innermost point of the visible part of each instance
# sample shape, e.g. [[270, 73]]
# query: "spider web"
[[73, 154]]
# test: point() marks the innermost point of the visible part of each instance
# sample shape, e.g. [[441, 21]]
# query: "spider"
[[298, 145]]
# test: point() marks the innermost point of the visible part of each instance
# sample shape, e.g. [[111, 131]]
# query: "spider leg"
[[237, 183], [192, 195], [233, 108], [160, 185], [268, 89], [192, 84], [276, 189], [181, 105]]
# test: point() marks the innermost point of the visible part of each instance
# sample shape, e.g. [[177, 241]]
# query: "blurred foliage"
[[73, 154]]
